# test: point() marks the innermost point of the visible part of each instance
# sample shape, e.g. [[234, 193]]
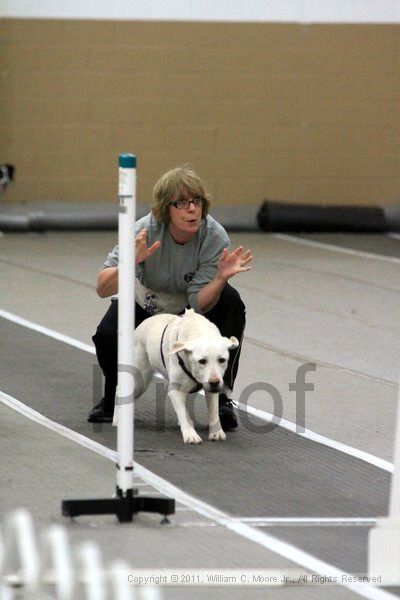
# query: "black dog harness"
[[181, 364]]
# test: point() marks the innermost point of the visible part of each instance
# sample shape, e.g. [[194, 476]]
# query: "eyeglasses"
[[185, 202]]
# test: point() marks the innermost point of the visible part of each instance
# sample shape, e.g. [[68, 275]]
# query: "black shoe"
[[226, 413], [101, 413]]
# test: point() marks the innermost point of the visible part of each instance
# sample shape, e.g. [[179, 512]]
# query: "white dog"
[[191, 353]]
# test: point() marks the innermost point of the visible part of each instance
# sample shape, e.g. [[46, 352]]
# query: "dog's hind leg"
[[215, 431]]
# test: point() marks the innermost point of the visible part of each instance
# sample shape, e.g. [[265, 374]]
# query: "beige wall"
[[303, 113]]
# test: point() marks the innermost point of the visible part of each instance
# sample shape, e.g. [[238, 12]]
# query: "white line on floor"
[[289, 522], [321, 439], [287, 551], [46, 331], [263, 415], [259, 521], [359, 253]]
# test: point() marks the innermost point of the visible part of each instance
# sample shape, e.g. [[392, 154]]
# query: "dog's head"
[[207, 358]]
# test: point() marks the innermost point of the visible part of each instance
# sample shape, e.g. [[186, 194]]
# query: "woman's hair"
[[173, 184]]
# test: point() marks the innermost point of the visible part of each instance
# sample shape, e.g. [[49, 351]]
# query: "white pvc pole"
[[119, 579], [126, 324], [20, 543], [58, 560], [394, 505], [92, 572], [6, 592]]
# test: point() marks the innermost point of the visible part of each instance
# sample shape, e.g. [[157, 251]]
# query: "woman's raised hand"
[[142, 252], [231, 263]]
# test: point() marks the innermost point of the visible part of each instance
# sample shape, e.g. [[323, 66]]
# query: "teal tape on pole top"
[[127, 161]]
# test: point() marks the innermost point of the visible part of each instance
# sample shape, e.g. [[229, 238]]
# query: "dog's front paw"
[[190, 437], [217, 436]]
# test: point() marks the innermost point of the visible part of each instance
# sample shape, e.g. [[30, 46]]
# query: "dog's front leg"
[[215, 431], [178, 400]]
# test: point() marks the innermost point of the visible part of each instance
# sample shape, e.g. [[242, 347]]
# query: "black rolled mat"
[[284, 216]]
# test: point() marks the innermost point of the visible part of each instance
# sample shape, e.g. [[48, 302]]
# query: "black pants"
[[229, 315]]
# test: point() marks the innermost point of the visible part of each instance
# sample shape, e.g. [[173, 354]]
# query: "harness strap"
[[188, 373], [161, 346]]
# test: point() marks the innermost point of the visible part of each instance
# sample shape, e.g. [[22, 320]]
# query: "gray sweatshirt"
[[172, 277]]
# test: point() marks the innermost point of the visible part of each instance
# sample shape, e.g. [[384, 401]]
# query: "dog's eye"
[[203, 361], [221, 360]]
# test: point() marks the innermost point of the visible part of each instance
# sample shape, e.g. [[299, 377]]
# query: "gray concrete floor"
[[304, 304]]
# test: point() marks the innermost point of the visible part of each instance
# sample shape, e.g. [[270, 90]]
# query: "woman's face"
[[184, 222]]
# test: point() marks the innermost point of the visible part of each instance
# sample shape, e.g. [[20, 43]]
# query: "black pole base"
[[124, 507]]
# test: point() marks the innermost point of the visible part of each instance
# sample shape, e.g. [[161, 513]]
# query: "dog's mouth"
[[213, 387]]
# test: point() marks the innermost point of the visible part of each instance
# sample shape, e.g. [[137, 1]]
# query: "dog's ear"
[[231, 342], [178, 346]]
